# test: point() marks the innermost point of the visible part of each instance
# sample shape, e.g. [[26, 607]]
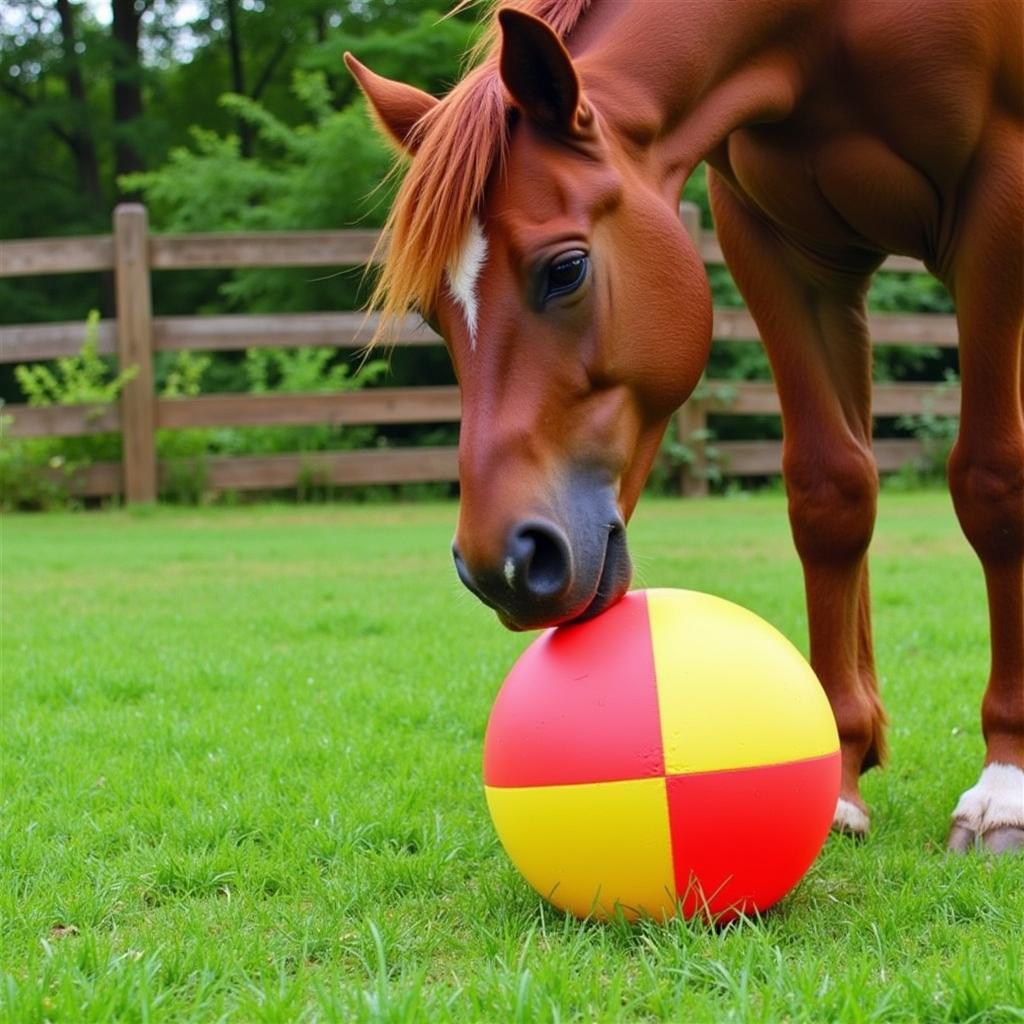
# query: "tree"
[[80, 139], [82, 102], [41, 73], [126, 68]]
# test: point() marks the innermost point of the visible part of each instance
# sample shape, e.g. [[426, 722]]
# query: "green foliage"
[[895, 292], [185, 453], [325, 172], [182, 453], [425, 52], [86, 378], [31, 476], [293, 371], [184, 376], [36, 472], [57, 161]]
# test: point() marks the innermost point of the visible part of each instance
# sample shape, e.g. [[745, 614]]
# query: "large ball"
[[675, 754]]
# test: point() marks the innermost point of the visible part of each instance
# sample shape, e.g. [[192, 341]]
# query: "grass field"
[[241, 781]]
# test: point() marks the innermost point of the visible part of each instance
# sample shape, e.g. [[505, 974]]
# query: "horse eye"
[[566, 274]]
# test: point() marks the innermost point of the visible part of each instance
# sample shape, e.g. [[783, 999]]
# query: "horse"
[[536, 230]]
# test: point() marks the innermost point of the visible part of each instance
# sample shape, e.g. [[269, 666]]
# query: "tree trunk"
[[81, 142], [238, 74], [127, 74]]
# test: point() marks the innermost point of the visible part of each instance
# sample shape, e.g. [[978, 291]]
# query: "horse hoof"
[[850, 819], [1005, 839], [991, 813], [961, 839], [1001, 839]]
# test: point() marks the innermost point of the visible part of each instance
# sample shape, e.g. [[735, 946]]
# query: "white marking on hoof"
[[850, 818], [463, 272], [997, 799], [510, 572]]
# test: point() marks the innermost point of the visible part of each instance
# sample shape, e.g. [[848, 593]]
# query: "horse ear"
[[538, 71], [398, 107]]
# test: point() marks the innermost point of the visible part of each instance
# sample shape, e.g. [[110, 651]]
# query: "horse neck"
[[675, 78]]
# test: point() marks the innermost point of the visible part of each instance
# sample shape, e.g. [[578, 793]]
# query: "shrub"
[[38, 472]]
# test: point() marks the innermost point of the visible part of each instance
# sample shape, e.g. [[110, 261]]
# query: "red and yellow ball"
[[674, 755]]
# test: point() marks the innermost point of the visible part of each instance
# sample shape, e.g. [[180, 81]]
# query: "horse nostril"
[[539, 561]]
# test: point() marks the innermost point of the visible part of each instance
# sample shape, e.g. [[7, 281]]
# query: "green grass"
[[241, 781]]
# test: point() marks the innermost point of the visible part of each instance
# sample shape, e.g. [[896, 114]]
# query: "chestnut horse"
[[536, 229]]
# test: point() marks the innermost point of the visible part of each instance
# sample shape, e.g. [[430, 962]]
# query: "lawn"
[[241, 781]]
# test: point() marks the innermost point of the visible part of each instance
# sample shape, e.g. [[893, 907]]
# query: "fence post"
[[692, 420], [135, 349], [691, 428]]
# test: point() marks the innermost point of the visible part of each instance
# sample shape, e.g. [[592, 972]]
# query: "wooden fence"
[[132, 253]]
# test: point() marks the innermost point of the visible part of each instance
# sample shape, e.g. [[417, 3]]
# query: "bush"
[[38, 472], [184, 453]]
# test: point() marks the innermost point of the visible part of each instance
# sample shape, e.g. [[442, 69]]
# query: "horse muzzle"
[[556, 568]]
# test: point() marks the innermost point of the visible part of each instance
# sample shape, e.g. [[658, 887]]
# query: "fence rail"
[[132, 254], [381, 406], [224, 333], [252, 249]]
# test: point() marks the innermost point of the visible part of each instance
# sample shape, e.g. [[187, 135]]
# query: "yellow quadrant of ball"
[[733, 692], [591, 846]]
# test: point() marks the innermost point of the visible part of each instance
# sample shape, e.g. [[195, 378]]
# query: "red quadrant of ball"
[[742, 839], [580, 705]]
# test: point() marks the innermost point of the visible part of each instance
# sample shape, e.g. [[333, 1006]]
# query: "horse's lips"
[[609, 590]]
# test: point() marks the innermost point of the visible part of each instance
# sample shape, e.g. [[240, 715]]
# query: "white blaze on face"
[[463, 273]]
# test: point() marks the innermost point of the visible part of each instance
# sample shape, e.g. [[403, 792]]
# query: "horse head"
[[574, 306]]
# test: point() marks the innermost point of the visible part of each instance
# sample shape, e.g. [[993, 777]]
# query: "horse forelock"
[[429, 234]]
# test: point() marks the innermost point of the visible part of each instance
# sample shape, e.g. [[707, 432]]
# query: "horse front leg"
[[813, 326], [986, 476]]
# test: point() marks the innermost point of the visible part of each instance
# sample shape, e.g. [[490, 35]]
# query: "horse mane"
[[459, 142]]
